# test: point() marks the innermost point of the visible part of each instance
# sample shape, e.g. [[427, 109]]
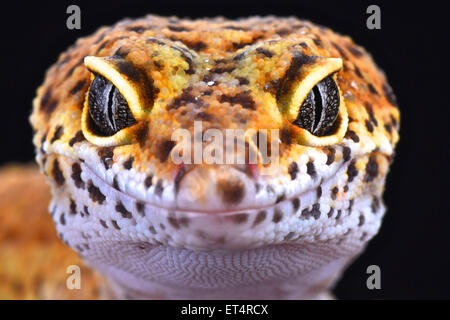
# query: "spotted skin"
[[160, 230]]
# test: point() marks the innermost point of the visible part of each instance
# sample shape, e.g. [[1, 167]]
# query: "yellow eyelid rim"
[[125, 136], [320, 71], [131, 94]]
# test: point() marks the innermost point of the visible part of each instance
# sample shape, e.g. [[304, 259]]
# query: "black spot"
[[331, 155], [129, 163], [94, 193], [152, 229], [346, 153], [352, 135], [240, 45], [283, 31], [197, 46], [280, 198], [363, 236], [173, 222], [372, 118], [277, 216], [330, 213], [73, 206], [106, 156], [298, 60], [78, 137], [57, 173], [260, 217], [293, 170], [79, 85], [371, 169], [103, 223], [243, 81], [314, 212], [48, 104], [148, 181], [358, 72], [319, 192], [243, 98], [58, 133], [115, 225], [183, 99], [221, 70], [375, 205], [86, 210], [394, 121], [115, 183], [286, 136], [265, 52], [164, 149], [355, 51], [76, 175], [126, 68], [334, 193], [240, 56], [361, 220], [141, 135], [352, 172], [159, 188], [62, 219], [239, 217], [230, 190], [350, 205], [318, 43], [340, 50], [345, 188], [204, 116], [369, 126], [311, 169], [122, 210], [390, 96], [140, 207], [339, 213], [296, 204], [121, 53], [388, 128]]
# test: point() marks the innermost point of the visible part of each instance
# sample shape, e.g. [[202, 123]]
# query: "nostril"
[[231, 190]]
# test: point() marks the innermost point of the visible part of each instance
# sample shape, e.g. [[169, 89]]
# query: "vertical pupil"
[[320, 108], [108, 109]]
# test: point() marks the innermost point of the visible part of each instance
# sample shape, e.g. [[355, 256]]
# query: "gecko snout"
[[215, 187]]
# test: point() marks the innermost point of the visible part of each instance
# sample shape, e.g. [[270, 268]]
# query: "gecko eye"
[[108, 108], [320, 108]]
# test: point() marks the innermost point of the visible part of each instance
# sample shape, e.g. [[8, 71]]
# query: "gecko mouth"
[[175, 205]]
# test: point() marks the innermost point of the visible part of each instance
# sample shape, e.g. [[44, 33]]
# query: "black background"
[[413, 246]]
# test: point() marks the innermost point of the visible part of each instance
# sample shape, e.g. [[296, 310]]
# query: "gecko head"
[[215, 138]]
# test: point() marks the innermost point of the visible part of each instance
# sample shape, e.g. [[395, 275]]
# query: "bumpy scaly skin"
[[215, 231]]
